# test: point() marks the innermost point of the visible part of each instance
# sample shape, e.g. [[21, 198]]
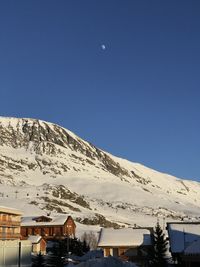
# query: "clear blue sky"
[[138, 99]]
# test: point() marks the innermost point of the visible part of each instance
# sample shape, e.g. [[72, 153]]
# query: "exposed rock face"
[[55, 170], [50, 139]]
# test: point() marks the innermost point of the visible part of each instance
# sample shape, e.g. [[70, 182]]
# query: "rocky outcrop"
[[77, 177], [45, 138]]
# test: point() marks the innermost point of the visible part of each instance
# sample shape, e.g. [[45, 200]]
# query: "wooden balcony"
[[4, 236], [9, 223]]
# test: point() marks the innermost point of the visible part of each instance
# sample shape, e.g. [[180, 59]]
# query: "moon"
[[103, 47]]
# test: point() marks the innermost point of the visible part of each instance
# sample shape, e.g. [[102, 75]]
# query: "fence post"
[[19, 259]]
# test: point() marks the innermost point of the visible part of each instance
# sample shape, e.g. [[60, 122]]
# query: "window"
[[106, 252]]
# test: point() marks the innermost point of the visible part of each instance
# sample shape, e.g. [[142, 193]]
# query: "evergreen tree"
[[66, 245], [61, 248], [38, 261], [159, 248], [85, 246], [55, 258], [76, 247]]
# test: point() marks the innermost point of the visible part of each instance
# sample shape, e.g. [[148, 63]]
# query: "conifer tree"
[[160, 248], [85, 246], [77, 247], [38, 261], [55, 258]]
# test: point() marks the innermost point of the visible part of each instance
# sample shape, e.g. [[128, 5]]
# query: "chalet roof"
[[126, 237], [55, 220], [9, 210], [182, 235], [35, 239]]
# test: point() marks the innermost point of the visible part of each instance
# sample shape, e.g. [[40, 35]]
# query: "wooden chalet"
[[130, 244], [38, 244], [9, 223], [60, 226]]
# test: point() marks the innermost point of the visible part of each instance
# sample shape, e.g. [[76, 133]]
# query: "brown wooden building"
[[9, 223], [132, 244], [48, 227], [38, 244]]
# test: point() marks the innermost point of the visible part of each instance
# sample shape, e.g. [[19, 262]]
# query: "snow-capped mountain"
[[46, 168]]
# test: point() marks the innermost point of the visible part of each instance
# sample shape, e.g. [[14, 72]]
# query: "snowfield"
[[46, 168]]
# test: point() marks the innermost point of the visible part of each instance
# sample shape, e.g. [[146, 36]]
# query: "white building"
[[13, 251], [184, 240]]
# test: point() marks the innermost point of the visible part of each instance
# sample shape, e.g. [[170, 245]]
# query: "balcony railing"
[[9, 223], [9, 236]]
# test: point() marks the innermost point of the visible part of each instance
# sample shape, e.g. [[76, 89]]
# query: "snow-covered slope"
[[44, 167]]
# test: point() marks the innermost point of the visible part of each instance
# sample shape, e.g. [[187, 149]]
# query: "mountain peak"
[[82, 178]]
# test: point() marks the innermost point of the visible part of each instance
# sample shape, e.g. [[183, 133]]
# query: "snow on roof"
[[10, 210], [182, 235], [129, 237], [34, 238], [56, 220], [194, 248]]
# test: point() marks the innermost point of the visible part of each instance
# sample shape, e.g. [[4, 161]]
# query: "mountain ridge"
[[73, 175]]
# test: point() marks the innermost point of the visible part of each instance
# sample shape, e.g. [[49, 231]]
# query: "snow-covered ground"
[[41, 161], [104, 262]]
